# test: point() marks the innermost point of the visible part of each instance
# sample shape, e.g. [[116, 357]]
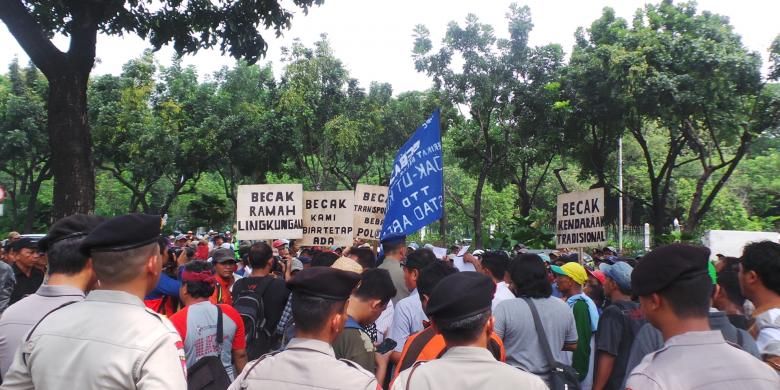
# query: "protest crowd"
[[111, 303]]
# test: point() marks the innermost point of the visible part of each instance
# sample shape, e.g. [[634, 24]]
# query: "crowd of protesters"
[[112, 304]]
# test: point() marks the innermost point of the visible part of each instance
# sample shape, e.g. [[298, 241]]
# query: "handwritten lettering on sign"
[[580, 219], [269, 211], [370, 209], [327, 218]]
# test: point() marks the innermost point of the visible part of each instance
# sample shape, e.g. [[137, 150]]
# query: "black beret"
[[666, 265], [324, 282], [24, 242], [123, 233], [461, 295], [76, 225]]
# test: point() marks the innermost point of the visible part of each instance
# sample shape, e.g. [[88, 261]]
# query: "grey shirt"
[[393, 266], [514, 323], [466, 368], [110, 340], [306, 364], [7, 284], [650, 339], [20, 317], [702, 360]]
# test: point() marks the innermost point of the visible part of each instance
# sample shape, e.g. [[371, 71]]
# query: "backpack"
[[249, 304], [208, 373]]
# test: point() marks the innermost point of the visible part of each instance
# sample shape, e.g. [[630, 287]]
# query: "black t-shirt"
[[25, 285], [274, 297], [618, 325]]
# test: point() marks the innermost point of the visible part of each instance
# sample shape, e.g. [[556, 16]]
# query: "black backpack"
[[249, 304], [208, 373]]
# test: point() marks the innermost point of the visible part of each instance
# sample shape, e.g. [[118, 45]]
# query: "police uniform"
[[309, 363], [460, 296], [702, 360], [108, 341], [694, 359]]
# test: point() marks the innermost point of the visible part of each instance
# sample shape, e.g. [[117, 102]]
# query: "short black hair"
[[199, 289], [431, 275], [376, 283], [311, 313], [529, 276], [393, 246], [728, 280], [365, 257], [689, 298], [763, 257], [65, 257], [259, 255], [324, 259], [464, 330], [496, 263]]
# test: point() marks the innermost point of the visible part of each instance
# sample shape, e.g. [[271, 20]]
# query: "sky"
[[374, 37]]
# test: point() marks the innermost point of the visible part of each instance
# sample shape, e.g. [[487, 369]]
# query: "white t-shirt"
[[384, 322], [768, 338], [502, 293]]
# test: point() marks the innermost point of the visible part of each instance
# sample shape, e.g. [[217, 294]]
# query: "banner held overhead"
[[416, 191], [269, 211]]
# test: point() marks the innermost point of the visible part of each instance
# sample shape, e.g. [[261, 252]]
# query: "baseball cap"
[[573, 270], [222, 255], [280, 243], [620, 272]]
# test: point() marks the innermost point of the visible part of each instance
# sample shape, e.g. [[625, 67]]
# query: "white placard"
[[370, 208], [269, 211], [580, 221], [327, 218]]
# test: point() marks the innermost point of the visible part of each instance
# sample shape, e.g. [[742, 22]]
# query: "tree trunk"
[[71, 144], [32, 206], [478, 208]]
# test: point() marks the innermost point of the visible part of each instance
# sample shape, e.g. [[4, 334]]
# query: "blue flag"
[[416, 193]]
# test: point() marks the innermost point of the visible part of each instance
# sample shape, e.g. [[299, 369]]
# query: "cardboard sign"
[[370, 208], [580, 221], [269, 211], [327, 218]]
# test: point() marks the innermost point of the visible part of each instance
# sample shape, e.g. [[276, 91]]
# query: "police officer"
[[674, 289], [319, 302], [110, 340], [459, 308]]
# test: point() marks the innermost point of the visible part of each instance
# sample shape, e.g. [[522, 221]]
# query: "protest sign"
[[415, 196], [370, 208], [327, 218], [269, 211], [580, 219]]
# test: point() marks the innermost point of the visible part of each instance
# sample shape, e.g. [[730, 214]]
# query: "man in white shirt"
[[494, 264], [408, 314], [759, 281]]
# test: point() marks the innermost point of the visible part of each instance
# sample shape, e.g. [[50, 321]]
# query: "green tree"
[[313, 91], [685, 74], [25, 149], [232, 25], [482, 85]]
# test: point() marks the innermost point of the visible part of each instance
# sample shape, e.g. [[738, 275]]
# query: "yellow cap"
[[573, 270]]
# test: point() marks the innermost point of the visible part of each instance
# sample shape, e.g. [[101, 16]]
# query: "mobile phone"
[[386, 346]]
